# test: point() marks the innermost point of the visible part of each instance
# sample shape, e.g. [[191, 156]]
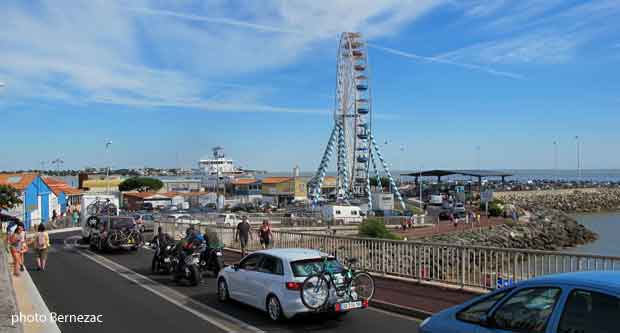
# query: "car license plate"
[[219, 254], [348, 306], [166, 259]]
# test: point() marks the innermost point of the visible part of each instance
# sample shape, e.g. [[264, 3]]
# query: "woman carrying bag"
[[42, 242]]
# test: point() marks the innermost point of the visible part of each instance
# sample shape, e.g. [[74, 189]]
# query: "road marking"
[[171, 295]]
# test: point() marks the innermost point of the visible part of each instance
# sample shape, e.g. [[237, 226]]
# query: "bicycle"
[[349, 284]]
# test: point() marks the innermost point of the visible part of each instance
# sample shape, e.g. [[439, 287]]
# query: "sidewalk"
[[22, 298], [410, 298], [446, 227], [8, 305]]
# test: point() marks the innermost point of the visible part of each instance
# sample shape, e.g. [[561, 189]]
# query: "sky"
[[166, 81]]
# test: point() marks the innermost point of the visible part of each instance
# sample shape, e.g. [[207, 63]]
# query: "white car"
[[270, 280], [182, 218], [227, 220]]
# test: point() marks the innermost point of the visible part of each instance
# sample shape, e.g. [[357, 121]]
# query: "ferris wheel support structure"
[[352, 132]]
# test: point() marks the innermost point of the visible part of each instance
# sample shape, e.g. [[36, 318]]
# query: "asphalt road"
[[110, 286]]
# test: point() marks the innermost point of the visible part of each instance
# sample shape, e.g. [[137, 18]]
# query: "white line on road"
[[228, 324]]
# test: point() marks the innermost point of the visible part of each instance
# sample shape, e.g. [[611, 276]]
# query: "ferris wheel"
[[351, 135]]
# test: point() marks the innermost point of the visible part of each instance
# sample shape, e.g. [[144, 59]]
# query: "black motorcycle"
[[164, 259], [188, 266], [212, 260]]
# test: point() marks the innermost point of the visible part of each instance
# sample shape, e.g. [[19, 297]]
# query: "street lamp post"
[[420, 186], [400, 166], [555, 157], [58, 162], [578, 156], [107, 171]]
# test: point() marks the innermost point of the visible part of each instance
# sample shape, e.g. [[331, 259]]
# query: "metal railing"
[[472, 266]]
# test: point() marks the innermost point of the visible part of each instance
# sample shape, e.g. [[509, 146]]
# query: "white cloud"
[[539, 49], [196, 55], [445, 60], [481, 8], [540, 32]]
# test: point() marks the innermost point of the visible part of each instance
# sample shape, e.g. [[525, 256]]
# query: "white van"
[[342, 214], [435, 200], [227, 220], [96, 205]]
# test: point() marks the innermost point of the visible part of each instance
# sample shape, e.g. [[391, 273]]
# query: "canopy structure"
[[473, 173]]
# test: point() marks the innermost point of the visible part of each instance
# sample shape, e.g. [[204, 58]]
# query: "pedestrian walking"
[[42, 244], [54, 215], [243, 234], [264, 234], [17, 245], [451, 218]]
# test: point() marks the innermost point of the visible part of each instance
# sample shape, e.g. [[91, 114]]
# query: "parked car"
[[270, 280], [562, 303], [182, 218], [145, 222], [114, 232], [459, 208], [227, 220]]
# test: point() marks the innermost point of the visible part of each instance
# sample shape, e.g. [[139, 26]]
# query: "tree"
[[9, 197], [141, 184], [375, 228]]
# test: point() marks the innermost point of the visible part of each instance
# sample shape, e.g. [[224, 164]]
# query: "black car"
[[114, 232]]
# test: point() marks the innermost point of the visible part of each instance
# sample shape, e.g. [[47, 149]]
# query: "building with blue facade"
[[40, 197]]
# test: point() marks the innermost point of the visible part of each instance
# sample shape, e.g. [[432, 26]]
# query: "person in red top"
[[264, 234]]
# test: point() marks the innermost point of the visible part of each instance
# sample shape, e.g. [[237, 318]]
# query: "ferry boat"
[[218, 171], [219, 165]]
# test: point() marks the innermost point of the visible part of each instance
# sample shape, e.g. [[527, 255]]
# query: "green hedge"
[[375, 228]]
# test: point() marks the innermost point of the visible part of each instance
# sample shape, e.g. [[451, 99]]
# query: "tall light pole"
[[578, 156], [420, 186], [400, 166], [58, 162], [108, 144], [555, 157]]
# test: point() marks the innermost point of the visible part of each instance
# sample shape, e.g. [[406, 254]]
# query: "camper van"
[[96, 205], [342, 214]]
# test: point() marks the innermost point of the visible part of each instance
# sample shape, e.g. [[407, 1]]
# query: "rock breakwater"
[[576, 201], [547, 230]]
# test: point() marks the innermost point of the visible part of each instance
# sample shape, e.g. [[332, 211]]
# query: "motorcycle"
[[164, 259], [188, 267], [212, 260]]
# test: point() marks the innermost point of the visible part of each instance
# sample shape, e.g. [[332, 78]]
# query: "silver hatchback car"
[[270, 280]]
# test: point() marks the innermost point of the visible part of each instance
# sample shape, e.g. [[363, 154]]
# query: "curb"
[[6, 282], [32, 234], [30, 302]]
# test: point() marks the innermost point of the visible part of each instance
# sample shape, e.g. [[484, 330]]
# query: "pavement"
[[120, 287], [8, 306], [447, 227]]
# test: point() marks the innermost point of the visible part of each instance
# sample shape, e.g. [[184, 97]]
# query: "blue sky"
[[166, 81]]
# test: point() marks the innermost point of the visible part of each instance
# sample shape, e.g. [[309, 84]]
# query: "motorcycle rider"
[[192, 239], [161, 241]]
